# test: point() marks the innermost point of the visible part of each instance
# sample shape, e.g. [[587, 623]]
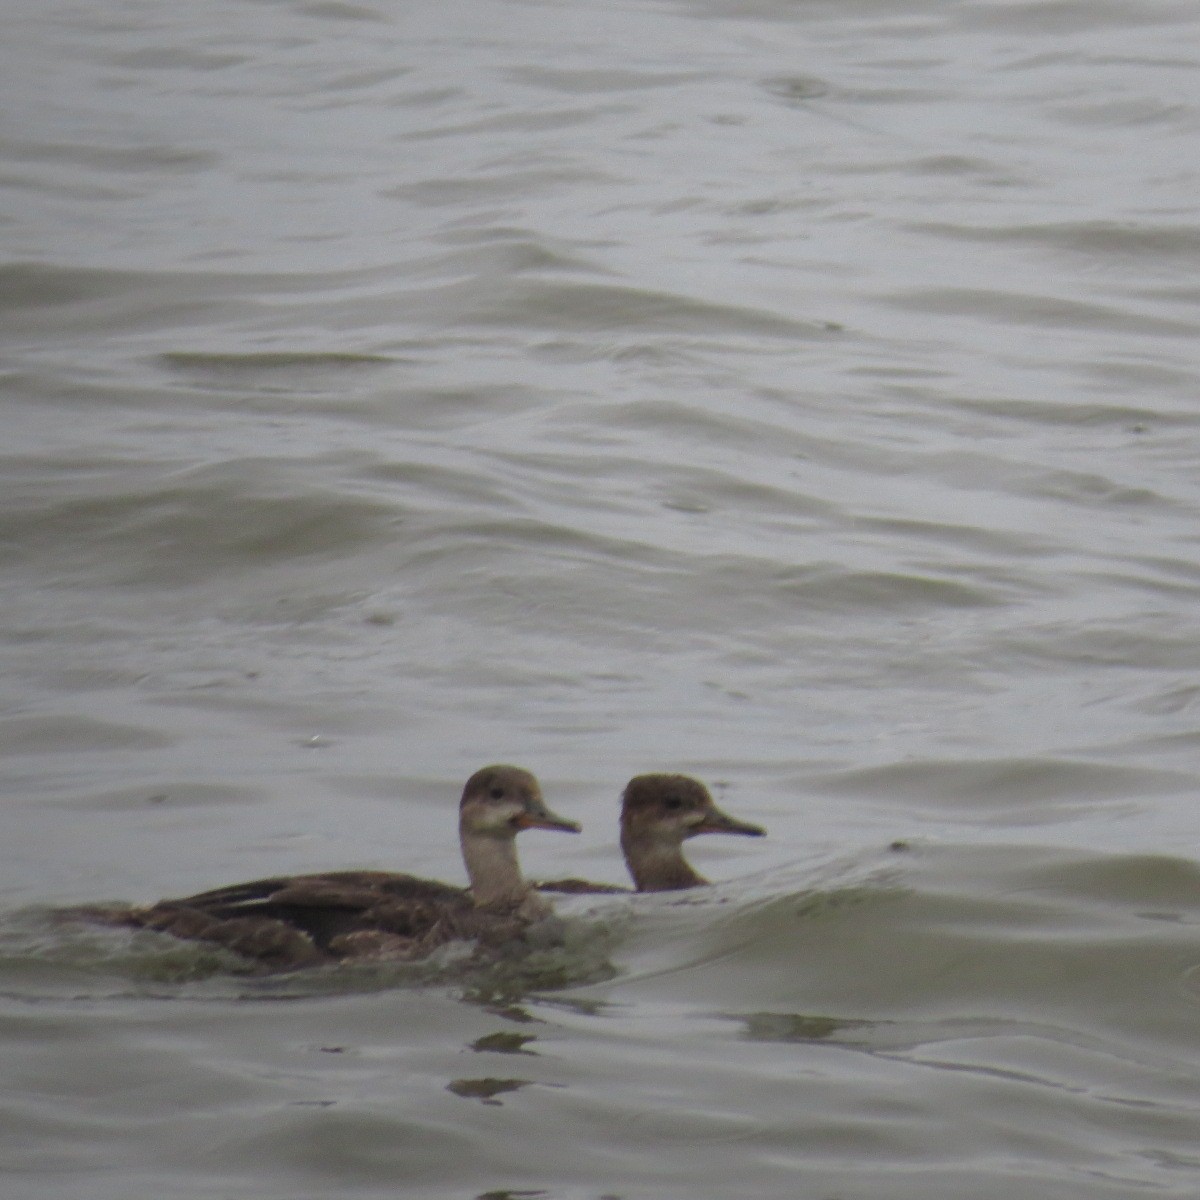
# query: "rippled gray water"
[[800, 395]]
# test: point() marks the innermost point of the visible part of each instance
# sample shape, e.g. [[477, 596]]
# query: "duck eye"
[[497, 793], [674, 803]]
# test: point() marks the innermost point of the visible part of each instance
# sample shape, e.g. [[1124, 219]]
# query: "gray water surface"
[[804, 396]]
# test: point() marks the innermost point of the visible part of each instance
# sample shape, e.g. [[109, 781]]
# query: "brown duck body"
[[305, 920], [658, 814]]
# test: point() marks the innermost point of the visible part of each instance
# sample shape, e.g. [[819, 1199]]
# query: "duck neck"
[[493, 869], [659, 866]]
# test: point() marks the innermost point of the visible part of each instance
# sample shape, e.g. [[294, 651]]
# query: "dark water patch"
[[961, 166], [796, 89], [1041, 311], [279, 370], [275, 602], [989, 173], [1183, 745], [497, 185], [552, 480], [1123, 374], [495, 250], [894, 1037], [529, 121], [175, 57], [770, 206], [829, 587], [59, 474], [39, 297], [1187, 295], [159, 795], [815, 11], [1089, 488], [1159, 645], [78, 678], [1128, 112], [1152, 583], [894, 97], [678, 422], [359, 80], [357, 1147], [331, 10], [699, 490], [1180, 575], [24, 285], [1149, 884], [600, 307], [485, 548], [996, 544], [504, 1042], [381, 395], [797, 1027], [444, 486], [427, 97], [643, 591], [1044, 1058], [1146, 242], [634, 597], [1018, 791], [448, 407], [194, 524], [283, 384], [485, 1090], [61, 733], [83, 191], [583, 81], [1175, 698], [1122, 417], [123, 159]]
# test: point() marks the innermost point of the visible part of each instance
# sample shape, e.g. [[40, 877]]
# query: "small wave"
[[197, 523], [1017, 789], [1040, 311], [275, 363], [61, 954], [73, 734], [1149, 242]]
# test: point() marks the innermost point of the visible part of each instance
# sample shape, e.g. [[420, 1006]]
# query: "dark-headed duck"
[[658, 814]]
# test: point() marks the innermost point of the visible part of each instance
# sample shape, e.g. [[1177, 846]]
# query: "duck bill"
[[543, 818], [718, 822]]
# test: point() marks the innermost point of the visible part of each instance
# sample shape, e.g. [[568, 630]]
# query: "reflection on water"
[[504, 1043], [796, 1027], [485, 1090]]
